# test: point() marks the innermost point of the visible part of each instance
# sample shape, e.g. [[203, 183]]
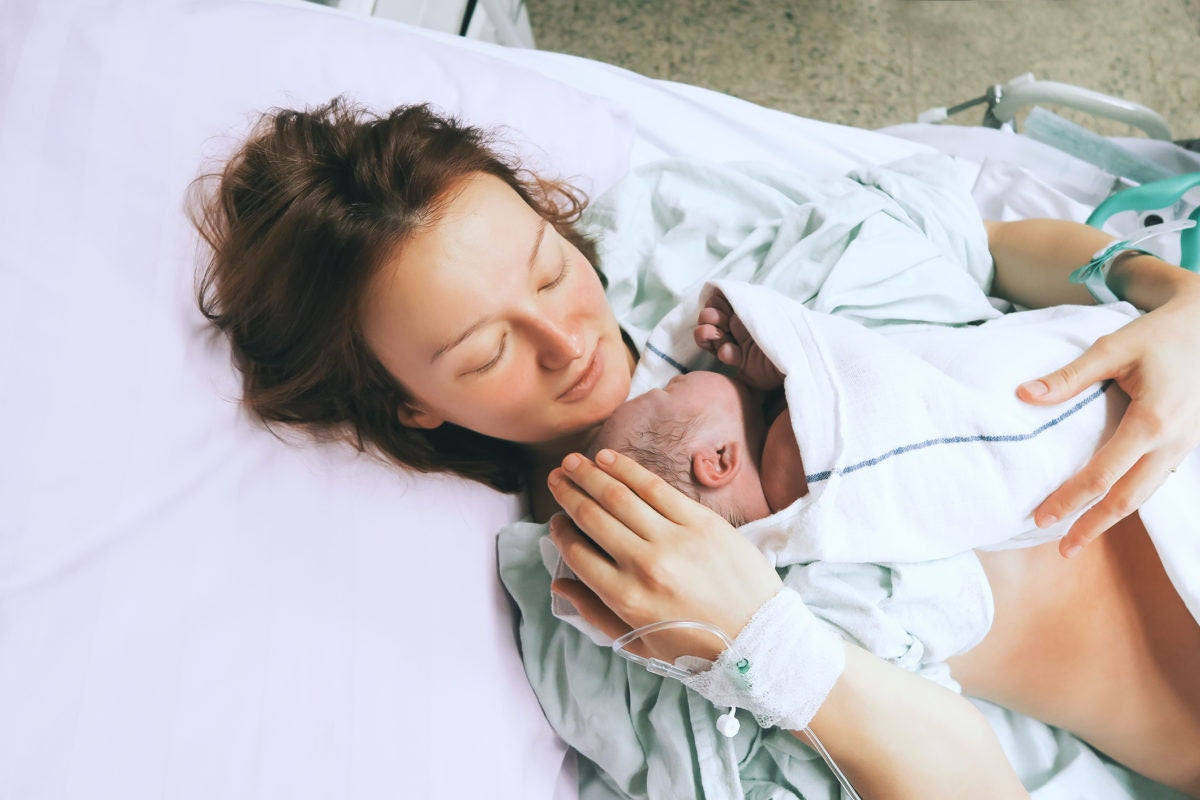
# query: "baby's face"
[[708, 395]]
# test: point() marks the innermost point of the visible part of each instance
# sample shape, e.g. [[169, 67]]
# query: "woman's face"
[[494, 322]]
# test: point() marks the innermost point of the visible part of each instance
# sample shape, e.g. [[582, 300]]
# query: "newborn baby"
[[722, 441], [947, 453]]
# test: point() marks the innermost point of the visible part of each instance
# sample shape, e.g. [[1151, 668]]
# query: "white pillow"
[[193, 607]]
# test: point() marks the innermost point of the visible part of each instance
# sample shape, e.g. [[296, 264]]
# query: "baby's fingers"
[[730, 353], [738, 330], [718, 303], [708, 337], [713, 316]]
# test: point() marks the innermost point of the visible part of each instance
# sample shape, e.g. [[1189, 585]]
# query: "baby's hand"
[[720, 331]]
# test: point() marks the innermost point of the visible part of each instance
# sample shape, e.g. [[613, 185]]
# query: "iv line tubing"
[[660, 667]]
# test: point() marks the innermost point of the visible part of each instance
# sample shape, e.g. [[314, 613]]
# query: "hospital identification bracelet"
[[1094, 274]]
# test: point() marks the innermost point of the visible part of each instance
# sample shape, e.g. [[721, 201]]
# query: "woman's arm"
[[1153, 359], [653, 554], [1034, 257], [897, 735]]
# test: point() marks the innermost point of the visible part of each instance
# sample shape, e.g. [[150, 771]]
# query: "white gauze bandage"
[[781, 666]]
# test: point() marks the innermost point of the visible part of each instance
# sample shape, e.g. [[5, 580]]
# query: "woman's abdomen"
[[1100, 645]]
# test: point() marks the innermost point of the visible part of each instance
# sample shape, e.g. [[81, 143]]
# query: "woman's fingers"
[[1110, 476], [1125, 497], [1100, 475], [1095, 364], [1160, 426], [591, 607], [588, 561], [590, 504], [665, 500], [672, 558]]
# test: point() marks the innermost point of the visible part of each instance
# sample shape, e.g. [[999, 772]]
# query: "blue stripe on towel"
[[980, 437], [682, 369]]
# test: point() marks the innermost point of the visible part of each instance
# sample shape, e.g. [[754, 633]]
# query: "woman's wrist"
[[1148, 282], [781, 667]]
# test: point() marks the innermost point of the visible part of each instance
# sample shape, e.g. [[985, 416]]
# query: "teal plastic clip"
[[742, 679], [1158, 194]]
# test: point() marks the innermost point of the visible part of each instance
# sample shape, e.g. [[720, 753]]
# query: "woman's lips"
[[586, 382]]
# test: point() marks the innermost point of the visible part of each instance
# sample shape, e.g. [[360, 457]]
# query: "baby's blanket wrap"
[[915, 444], [896, 248]]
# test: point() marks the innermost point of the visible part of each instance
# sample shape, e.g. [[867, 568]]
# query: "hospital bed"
[[193, 606]]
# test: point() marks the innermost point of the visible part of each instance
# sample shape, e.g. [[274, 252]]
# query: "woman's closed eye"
[[495, 359], [562, 275]]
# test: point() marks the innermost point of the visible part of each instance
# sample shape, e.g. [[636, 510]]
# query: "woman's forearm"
[[897, 735], [1034, 258]]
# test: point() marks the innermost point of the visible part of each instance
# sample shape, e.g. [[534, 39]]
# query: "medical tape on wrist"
[[781, 668]]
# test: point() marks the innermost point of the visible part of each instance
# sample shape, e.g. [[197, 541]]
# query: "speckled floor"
[[877, 62]]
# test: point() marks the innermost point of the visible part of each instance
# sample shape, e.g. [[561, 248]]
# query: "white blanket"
[[915, 445]]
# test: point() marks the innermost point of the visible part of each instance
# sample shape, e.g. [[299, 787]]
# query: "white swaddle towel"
[[914, 443]]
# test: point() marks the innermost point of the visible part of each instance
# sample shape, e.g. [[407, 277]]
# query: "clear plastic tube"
[[668, 670]]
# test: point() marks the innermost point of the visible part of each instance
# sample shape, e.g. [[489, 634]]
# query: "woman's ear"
[[714, 466], [414, 415]]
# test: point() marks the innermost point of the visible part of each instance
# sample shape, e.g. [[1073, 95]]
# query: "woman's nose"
[[557, 344]]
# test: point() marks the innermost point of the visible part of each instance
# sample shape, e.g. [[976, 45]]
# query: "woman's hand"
[[1155, 359], [651, 554], [655, 554]]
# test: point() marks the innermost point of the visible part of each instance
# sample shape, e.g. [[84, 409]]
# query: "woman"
[[395, 279]]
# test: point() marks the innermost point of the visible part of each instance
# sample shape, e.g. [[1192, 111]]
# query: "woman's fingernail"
[[1072, 551], [606, 457], [1047, 521], [1035, 388], [571, 462], [554, 478]]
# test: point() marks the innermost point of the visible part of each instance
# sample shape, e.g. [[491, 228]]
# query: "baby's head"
[[702, 433]]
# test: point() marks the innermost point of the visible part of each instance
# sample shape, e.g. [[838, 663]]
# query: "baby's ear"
[[415, 415], [716, 465]]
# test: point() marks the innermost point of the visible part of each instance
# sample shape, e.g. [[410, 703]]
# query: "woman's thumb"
[[1064, 383]]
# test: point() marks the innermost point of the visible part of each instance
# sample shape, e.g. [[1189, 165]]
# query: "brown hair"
[[301, 217]]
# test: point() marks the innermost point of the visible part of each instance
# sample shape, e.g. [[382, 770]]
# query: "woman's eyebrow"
[[462, 337]]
